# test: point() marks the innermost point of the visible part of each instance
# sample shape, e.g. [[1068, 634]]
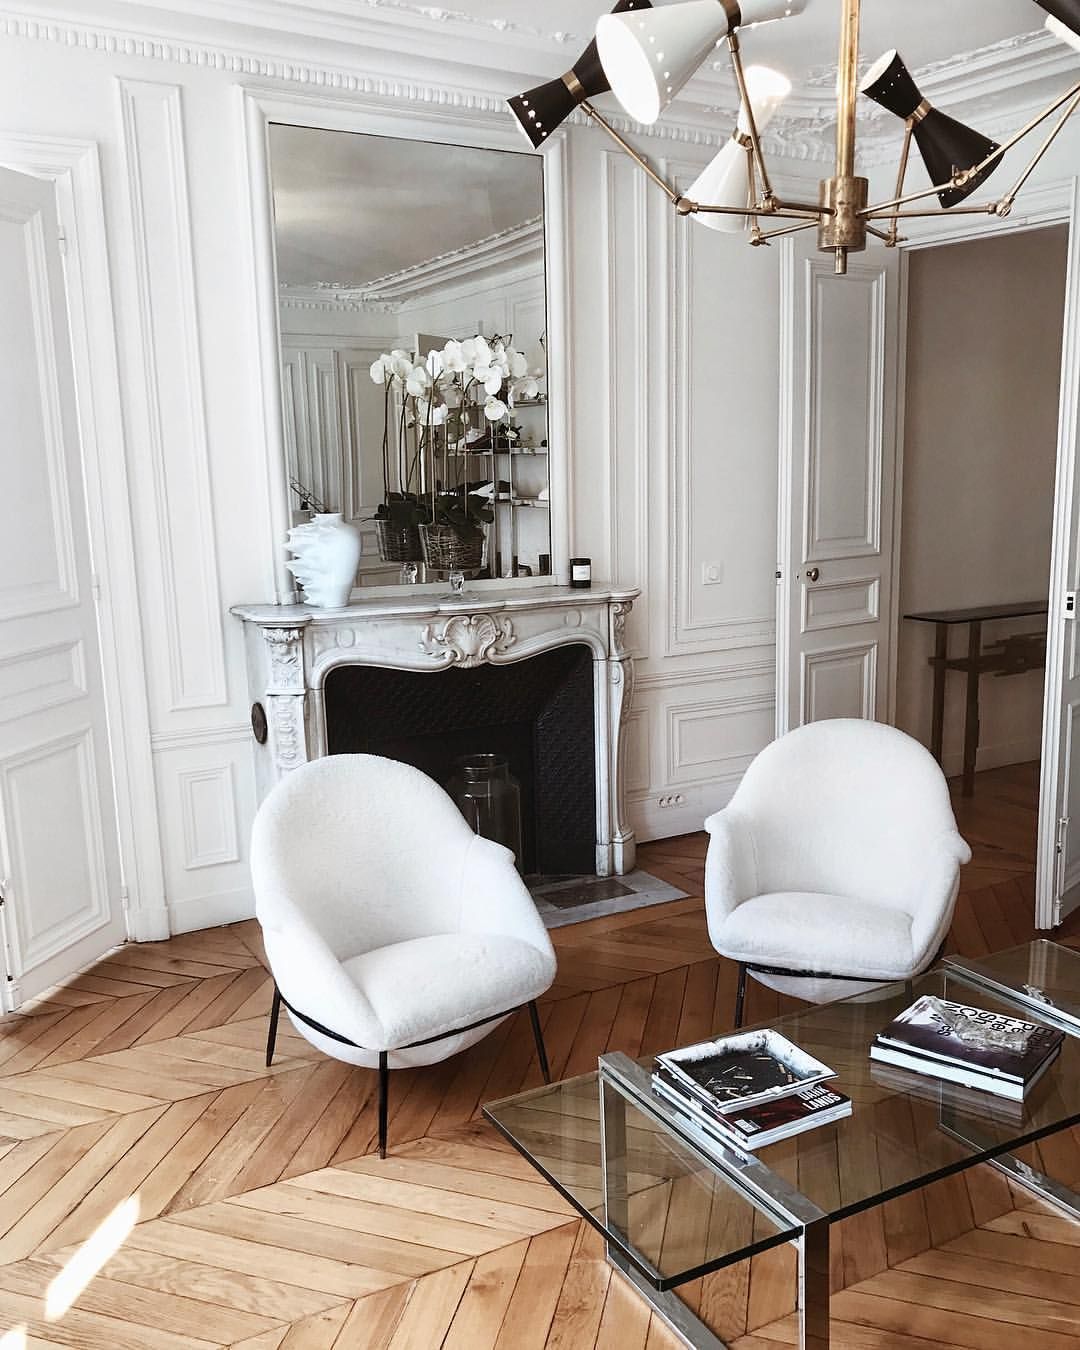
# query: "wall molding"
[[198, 737], [151, 117]]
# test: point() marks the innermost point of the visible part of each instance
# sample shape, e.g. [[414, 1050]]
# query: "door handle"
[[812, 574]]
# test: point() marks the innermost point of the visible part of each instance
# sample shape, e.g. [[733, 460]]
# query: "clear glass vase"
[[489, 797]]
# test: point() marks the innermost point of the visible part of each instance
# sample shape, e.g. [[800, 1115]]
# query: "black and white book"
[[972, 1046], [736, 1071], [755, 1127]]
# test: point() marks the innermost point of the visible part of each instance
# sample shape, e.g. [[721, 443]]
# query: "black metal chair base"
[[384, 1055], [747, 966]]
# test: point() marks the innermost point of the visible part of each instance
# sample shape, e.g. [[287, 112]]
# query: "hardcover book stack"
[[747, 1091], [989, 1051]]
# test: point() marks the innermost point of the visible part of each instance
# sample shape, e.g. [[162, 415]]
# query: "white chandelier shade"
[[725, 181], [1059, 30], [648, 56]]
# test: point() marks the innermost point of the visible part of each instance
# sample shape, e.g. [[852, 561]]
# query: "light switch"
[[712, 573]]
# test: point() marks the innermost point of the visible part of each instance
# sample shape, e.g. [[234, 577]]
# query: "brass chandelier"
[[646, 54]]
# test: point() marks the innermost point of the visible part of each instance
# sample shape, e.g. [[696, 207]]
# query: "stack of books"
[[989, 1051], [749, 1090]]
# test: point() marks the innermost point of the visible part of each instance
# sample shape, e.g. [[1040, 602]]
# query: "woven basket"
[[399, 543], [446, 551]]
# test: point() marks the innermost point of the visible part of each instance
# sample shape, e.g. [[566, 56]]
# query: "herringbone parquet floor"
[[248, 1211]]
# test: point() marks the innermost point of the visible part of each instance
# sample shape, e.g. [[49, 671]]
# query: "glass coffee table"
[[674, 1206]]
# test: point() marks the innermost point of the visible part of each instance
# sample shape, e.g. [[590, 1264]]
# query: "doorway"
[[976, 472]]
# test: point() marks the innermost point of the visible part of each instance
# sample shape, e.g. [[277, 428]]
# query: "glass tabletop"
[[1043, 976], [690, 1207]]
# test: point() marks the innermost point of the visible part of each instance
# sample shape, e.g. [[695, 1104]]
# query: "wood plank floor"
[[247, 1210]]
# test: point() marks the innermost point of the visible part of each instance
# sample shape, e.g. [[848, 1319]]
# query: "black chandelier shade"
[[541, 110], [945, 144], [1065, 11]]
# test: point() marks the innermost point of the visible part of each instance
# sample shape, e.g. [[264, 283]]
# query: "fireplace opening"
[[538, 712]]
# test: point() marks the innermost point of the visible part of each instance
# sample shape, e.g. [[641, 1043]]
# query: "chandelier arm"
[[1005, 205], [628, 149], [751, 121], [687, 207], [765, 235], [892, 238], [978, 168], [988, 209]]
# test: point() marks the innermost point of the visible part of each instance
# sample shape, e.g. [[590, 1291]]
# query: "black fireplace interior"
[[537, 712]]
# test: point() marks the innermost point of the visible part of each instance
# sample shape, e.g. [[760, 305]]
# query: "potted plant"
[[445, 402]]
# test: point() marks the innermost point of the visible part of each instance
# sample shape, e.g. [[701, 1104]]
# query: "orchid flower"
[[453, 355], [435, 365], [380, 370], [417, 382], [494, 409]]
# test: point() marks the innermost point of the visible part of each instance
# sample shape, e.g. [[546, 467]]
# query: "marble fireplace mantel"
[[292, 648]]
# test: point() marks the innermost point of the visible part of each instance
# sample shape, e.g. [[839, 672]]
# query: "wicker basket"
[[446, 551], [399, 543]]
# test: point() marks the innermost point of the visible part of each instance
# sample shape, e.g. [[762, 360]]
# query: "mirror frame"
[[483, 129]]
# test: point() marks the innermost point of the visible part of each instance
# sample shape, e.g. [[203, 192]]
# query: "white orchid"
[[453, 355], [519, 366], [379, 371], [400, 363], [417, 382], [435, 365], [494, 409], [527, 388]]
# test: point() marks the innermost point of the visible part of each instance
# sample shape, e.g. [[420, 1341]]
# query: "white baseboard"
[[211, 911], [666, 812], [149, 925], [1021, 751]]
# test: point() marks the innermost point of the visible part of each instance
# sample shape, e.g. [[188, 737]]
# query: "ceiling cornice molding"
[[330, 298], [999, 83], [516, 247]]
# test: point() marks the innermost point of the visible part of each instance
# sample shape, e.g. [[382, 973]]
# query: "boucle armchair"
[[396, 937], [836, 865]]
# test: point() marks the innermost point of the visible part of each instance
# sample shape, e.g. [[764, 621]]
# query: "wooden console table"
[[1011, 656]]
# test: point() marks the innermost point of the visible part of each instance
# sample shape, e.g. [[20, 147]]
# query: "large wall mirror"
[[412, 309]]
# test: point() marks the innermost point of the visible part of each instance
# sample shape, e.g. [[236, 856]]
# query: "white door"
[[59, 857], [1057, 881], [837, 484]]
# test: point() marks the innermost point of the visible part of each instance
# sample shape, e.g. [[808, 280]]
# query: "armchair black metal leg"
[[740, 995], [384, 1093], [271, 1038], [538, 1037]]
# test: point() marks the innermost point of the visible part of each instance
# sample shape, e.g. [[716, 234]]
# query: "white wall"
[[980, 444], [673, 445]]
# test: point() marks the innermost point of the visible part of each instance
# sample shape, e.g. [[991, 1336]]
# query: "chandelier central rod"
[[847, 89]]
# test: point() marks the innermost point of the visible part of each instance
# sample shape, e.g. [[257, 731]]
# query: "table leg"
[[971, 714], [814, 1288], [941, 655]]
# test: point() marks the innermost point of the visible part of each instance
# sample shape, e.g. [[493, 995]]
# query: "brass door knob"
[[812, 573]]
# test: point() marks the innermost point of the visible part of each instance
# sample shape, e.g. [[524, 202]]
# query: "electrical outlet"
[[712, 573]]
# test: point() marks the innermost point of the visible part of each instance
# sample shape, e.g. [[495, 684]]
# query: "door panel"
[[1057, 881], [59, 859], [836, 484]]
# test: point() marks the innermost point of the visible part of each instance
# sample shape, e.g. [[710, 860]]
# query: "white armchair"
[[836, 865], [396, 936]]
